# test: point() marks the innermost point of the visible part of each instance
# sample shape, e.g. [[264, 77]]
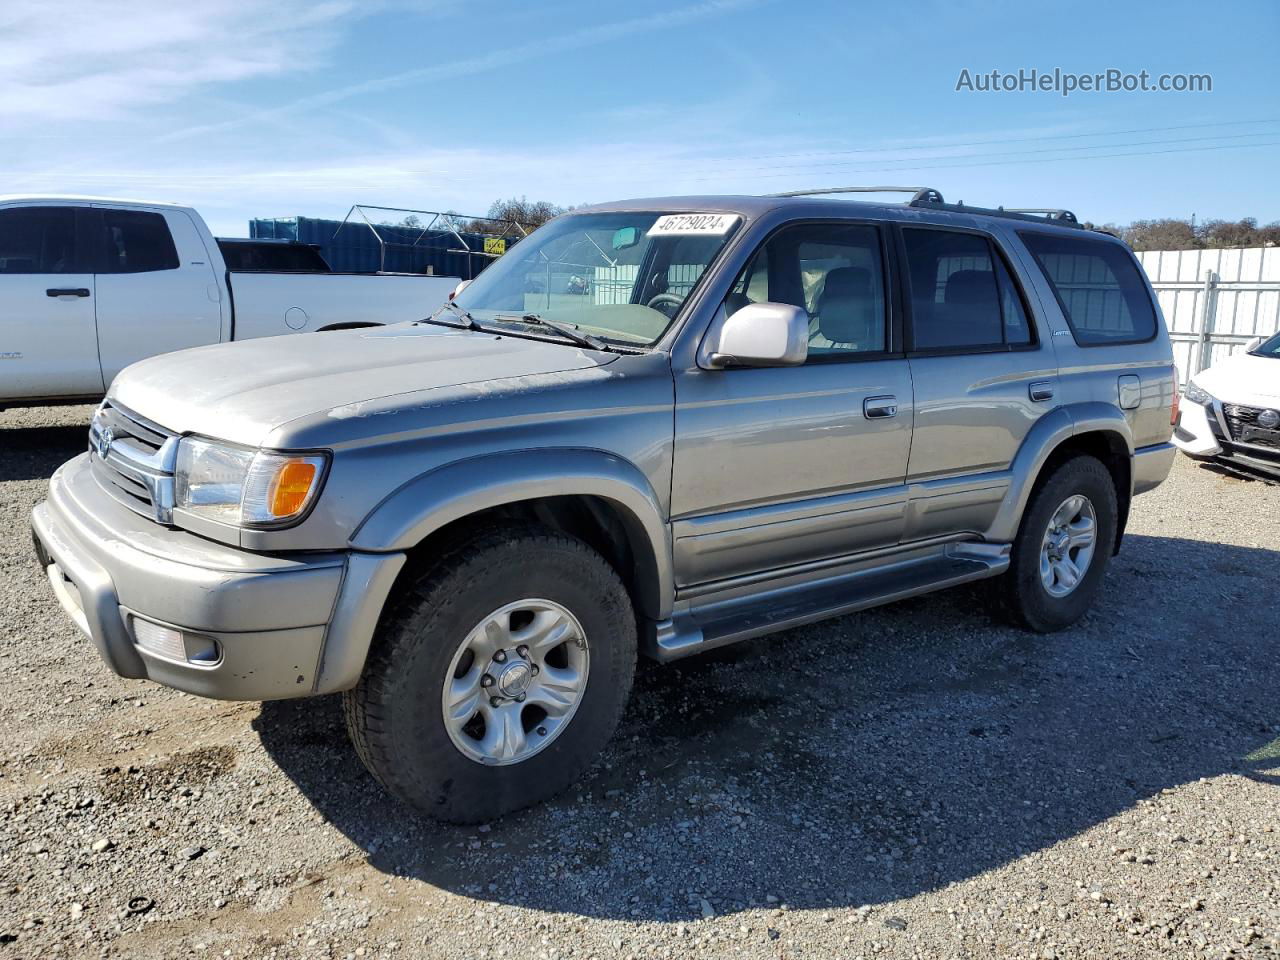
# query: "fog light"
[[174, 644]]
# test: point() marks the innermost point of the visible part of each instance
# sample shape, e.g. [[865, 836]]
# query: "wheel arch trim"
[[1048, 435], [460, 489]]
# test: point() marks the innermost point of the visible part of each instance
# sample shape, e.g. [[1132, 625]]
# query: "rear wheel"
[[1061, 552], [498, 677]]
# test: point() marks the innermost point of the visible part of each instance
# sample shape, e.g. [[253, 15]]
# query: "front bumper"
[[1201, 433], [285, 625]]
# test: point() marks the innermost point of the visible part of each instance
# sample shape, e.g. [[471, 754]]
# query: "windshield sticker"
[[704, 224]]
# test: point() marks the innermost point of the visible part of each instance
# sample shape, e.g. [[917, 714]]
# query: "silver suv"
[[654, 427]]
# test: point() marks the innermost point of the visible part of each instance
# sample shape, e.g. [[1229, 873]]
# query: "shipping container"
[[356, 248]]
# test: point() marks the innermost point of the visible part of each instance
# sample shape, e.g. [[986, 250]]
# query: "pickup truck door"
[[156, 287], [48, 343], [779, 466]]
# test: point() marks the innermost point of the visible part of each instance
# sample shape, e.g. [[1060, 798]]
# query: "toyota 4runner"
[[653, 426]]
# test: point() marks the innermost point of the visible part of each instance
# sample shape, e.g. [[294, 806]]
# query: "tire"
[[1022, 592], [396, 713]]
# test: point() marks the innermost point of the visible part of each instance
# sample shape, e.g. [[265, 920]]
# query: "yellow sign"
[[496, 246]]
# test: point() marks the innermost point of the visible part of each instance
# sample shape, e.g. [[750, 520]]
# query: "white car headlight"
[[244, 487], [1197, 394]]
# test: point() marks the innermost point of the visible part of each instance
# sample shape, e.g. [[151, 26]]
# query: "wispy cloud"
[[229, 189], [65, 60], [166, 53], [540, 49]]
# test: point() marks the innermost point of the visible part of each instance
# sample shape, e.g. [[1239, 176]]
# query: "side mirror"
[[1253, 345], [462, 285], [763, 335]]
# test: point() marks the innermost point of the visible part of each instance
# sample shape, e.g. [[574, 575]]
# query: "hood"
[[243, 391], [1244, 378]]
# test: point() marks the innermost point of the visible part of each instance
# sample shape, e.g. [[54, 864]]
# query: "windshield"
[[619, 277], [1269, 348]]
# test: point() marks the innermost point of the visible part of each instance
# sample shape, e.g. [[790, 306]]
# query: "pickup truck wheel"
[[1061, 552], [497, 677]]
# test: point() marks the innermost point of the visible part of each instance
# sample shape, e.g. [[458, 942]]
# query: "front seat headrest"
[[847, 309]]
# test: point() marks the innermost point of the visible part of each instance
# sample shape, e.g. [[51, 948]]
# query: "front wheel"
[[1067, 536], [498, 677]]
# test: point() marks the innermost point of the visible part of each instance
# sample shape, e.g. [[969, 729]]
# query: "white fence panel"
[[1215, 301]]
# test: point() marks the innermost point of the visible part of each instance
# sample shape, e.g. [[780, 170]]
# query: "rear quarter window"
[[1098, 286]]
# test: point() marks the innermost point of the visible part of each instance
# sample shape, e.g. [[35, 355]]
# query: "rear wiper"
[[566, 331]]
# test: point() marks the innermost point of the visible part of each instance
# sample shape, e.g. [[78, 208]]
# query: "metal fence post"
[[1200, 361]]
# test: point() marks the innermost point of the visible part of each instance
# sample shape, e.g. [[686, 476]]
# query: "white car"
[[89, 286], [1231, 412]]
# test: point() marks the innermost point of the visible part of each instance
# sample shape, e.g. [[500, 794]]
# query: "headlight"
[[244, 487], [1196, 394]]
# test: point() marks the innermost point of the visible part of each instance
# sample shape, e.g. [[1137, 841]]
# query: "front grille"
[[1242, 425], [132, 459]]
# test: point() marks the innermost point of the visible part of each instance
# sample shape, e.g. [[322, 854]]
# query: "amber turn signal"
[[290, 487]]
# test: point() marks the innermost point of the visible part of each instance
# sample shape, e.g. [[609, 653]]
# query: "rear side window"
[[38, 240], [137, 242], [242, 257], [962, 296], [1098, 287]]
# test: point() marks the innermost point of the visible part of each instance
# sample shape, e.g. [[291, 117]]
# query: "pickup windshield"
[[619, 277]]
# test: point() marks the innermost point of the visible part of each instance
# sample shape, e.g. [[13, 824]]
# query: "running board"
[[701, 628]]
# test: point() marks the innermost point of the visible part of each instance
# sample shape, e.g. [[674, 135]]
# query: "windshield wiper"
[[566, 331], [469, 322]]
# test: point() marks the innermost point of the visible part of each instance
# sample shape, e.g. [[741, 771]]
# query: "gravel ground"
[[916, 781]]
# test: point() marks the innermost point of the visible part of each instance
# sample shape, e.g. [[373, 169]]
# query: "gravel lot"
[[912, 782]]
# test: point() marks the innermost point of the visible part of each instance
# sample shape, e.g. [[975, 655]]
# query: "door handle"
[[67, 292], [880, 408], [1040, 391]]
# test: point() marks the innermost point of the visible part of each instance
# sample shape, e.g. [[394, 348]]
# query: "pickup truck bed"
[[271, 304], [89, 286]]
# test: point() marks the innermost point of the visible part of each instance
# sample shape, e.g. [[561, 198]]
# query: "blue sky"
[[298, 107]]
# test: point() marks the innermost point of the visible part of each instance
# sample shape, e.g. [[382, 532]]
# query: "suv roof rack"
[[931, 198], [1048, 213], [920, 195]]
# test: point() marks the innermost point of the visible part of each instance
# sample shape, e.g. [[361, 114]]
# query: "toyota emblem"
[[103, 445]]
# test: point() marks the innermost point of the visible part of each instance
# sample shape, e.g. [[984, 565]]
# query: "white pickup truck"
[[88, 286]]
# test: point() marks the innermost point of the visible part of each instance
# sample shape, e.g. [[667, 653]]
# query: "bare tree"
[[1174, 234], [1224, 233], [528, 213], [1165, 234]]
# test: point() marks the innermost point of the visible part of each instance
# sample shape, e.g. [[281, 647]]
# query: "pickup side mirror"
[[1253, 345], [762, 335]]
